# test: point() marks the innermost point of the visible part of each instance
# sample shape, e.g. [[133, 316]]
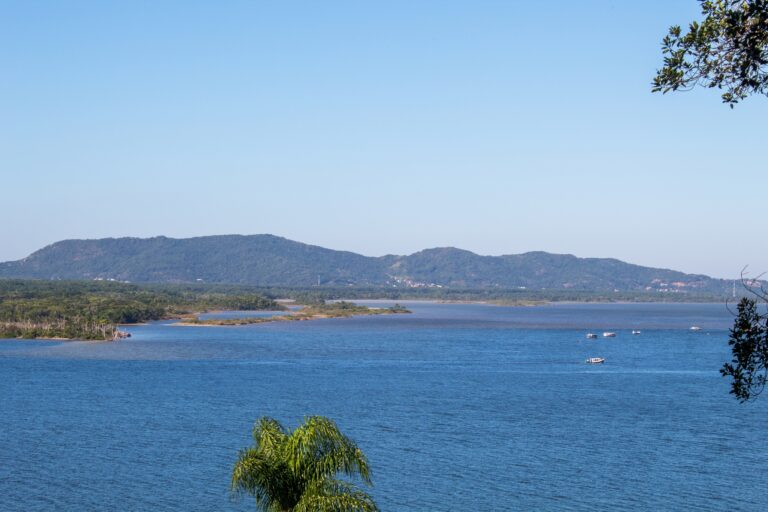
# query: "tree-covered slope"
[[540, 270], [257, 259], [266, 260]]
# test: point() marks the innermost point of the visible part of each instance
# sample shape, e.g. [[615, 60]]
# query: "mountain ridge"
[[270, 260]]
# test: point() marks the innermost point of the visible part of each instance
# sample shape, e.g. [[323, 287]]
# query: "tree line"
[[92, 310]]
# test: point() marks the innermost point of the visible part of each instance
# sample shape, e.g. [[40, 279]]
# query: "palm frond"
[[251, 474], [297, 471], [317, 450], [269, 480], [269, 435], [335, 496]]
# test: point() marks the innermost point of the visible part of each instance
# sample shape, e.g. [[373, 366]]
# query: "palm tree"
[[297, 471]]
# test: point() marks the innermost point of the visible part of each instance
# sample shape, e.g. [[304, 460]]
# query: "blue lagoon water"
[[458, 407]]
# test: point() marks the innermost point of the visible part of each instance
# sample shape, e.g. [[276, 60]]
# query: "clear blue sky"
[[378, 127]]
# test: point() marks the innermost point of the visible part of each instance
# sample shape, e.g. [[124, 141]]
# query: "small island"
[[341, 309]]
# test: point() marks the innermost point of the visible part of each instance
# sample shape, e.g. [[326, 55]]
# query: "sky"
[[498, 127]]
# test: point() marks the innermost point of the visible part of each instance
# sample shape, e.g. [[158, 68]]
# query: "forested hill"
[[266, 260]]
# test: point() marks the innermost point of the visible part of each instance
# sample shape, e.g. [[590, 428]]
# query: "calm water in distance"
[[458, 407]]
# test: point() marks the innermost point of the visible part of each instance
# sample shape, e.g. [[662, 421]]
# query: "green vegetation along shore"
[[94, 310], [516, 297], [341, 309], [90, 310]]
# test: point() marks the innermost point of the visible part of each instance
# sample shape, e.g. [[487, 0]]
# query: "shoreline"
[[307, 313], [526, 303], [57, 338]]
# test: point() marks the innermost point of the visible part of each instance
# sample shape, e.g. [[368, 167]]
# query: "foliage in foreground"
[[749, 345], [728, 50], [297, 471]]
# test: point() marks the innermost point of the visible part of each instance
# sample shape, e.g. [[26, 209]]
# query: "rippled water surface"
[[458, 406]]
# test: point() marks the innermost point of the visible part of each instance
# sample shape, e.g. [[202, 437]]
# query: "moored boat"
[[591, 336], [635, 332], [609, 335]]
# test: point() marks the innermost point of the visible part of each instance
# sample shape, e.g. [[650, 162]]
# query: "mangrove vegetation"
[[93, 310]]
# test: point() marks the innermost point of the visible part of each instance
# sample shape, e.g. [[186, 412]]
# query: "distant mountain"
[[267, 260]]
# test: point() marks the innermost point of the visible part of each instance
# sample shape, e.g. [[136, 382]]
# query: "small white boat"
[[595, 360], [635, 332], [609, 335], [695, 328], [591, 336]]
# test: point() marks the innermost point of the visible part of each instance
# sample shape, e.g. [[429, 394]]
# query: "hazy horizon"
[[494, 127]]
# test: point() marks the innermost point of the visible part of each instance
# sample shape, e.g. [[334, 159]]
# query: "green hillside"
[[267, 260]]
